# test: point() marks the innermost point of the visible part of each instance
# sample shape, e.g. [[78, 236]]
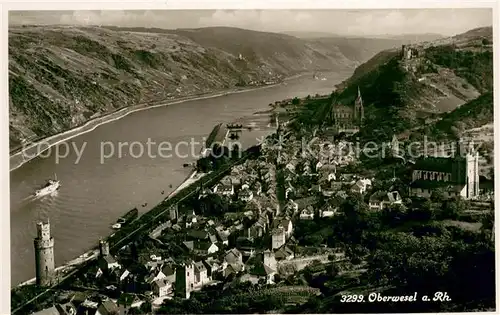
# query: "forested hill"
[[401, 92], [62, 76]]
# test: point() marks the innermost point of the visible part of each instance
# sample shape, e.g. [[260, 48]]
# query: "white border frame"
[[40, 5]]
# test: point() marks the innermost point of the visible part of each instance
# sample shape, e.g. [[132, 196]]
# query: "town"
[[277, 225]]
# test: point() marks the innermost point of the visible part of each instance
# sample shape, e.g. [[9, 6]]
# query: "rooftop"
[[436, 164], [430, 184]]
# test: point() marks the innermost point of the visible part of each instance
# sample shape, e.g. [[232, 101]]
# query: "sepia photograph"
[[251, 161]]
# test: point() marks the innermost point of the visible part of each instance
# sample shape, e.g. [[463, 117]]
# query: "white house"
[[291, 166], [285, 224], [200, 274], [158, 276], [108, 263], [330, 177], [307, 170], [307, 214], [245, 195], [124, 275], [318, 166], [224, 189], [326, 213], [361, 185], [223, 237], [381, 200], [292, 205], [278, 237], [205, 248], [162, 287], [258, 188]]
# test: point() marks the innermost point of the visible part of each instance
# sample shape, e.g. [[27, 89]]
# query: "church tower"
[[44, 255], [184, 280], [359, 111], [472, 171], [469, 173]]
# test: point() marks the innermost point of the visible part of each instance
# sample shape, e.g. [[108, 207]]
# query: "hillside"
[[472, 115], [362, 49], [60, 76], [405, 90], [396, 39]]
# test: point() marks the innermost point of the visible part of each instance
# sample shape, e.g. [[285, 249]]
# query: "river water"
[[95, 190]]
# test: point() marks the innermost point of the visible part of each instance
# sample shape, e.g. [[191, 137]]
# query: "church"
[[456, 176], [348, 118]]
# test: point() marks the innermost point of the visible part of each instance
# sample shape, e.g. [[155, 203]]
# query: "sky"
[[342, 22]]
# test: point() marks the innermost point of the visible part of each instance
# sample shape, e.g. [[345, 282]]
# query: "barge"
[[126, 218]]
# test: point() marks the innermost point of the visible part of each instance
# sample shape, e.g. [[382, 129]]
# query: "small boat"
[[116, 226], [128, 217], [170, 186], [163, 192], [51, 186]]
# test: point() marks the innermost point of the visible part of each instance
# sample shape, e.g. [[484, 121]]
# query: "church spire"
[[358, 107]]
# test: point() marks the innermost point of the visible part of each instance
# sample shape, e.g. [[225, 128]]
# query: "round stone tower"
[[44, 255]]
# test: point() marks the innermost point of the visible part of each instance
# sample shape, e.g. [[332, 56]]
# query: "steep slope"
[[472, 115], [361, 49], [404, 89], [60, 77]]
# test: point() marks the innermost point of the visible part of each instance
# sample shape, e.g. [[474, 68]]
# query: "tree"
[[453, 208], [332, 270], [204, 165], [395, 214], [295, 101], [438, 195], [146, 307], [356, 253], [424, 212]]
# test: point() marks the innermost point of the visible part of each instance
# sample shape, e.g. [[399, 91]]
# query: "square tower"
[[184, 280]]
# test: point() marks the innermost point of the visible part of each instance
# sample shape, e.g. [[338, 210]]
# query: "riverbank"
[[94, 253], [191, 179], [19, 157]]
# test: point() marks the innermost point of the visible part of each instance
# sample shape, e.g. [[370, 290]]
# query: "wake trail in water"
[[27, 199]]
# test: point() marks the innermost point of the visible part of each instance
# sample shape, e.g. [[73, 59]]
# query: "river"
[[95, 191]]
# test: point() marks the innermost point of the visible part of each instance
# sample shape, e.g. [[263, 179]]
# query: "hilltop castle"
[[44, 255], [347, 118]]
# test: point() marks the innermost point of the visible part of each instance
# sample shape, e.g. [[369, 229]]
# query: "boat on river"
[[51, 186], [126, 219]]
